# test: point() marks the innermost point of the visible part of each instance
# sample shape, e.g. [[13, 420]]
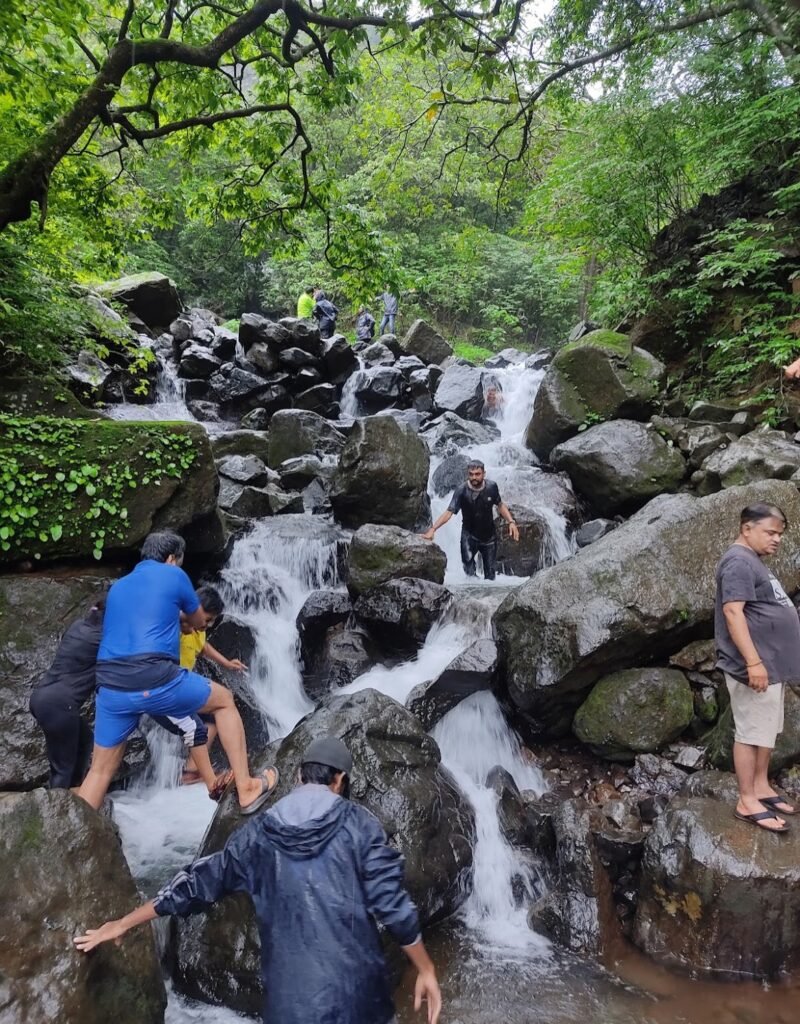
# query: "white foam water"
[[170, 399]]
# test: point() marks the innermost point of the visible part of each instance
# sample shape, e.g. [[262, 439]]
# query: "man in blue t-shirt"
[[139, 672]]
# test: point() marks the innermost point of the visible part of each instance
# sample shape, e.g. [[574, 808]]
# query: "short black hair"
[[475, 464], [323, 775], [211, 600], [159, 546], [762, 510]]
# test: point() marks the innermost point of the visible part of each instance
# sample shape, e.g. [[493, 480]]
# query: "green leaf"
[[56, 531]]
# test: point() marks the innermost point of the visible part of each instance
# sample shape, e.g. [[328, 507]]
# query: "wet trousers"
[[487, 549], [67, 735]]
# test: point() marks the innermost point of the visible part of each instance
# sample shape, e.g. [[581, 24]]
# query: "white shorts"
[[758, 717]]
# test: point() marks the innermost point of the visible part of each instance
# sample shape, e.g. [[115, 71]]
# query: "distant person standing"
[[325, 314], [757, 634], [390, 304], [476, 501], [365, 325], [305, 304]]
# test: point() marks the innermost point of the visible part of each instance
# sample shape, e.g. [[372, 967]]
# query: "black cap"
[[329, 751]]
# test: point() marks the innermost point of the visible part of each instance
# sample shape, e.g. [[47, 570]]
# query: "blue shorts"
[[117, 712]]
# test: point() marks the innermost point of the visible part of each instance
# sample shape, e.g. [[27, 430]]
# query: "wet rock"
[[255, 329], [423, 341], [382, 476], [295, 358], [247, 502], [181, 328], [410, 417], [152, 297], [506, 357], [449, 432], [322, 610], [697, 656], [295, 432], [578, 911], [319, 398], [762, 455], [697, 443], [594, 530], [657, 775], [474, 669], [198, 362], [515, 822], [715, 412], [460, 391], [450, 474], [241, 442], [381, 553], [401, 613], [44, 977], [305, 379], [620, 465], [204, 412], [378, 388], [231, 384], [224, 344], [272, 399], [194, 390], [636, 711], [409, 365], [35, 610], [534, 549], [88, 377], [397, 774], [245, 469], [298, 473], [712, 785], [304, 334], [263, 357], [582, 328], [344, 655], [377, 354], [538, 360], [718, 895], [599, 375], [338, 359], [691, 758], [608, 607], [650, 807]]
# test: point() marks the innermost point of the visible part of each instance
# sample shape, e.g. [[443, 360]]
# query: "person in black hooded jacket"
[[320, 873], [325, 314]]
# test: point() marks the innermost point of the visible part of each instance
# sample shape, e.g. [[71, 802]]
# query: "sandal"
[[772, 803], [755, 819], [266, 791], [190, 778], [217, 791]]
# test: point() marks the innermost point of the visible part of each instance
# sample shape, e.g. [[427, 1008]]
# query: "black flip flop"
[[773, 801], [754, 819], [266, 792]]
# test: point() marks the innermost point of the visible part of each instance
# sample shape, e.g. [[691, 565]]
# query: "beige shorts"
[[758, 717]]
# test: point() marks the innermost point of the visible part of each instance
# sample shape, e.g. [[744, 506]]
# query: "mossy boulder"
[[43, 395], [74, 488], [62, 871], [598, 377], [152, 297], [636, 711], [381, 553]]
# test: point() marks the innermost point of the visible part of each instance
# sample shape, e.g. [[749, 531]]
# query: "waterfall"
[[170, 399], [349, 405]]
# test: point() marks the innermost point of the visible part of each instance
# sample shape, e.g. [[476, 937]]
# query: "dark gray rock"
[[319, 398], [204, 412], [299, 472], [263, 357], [423, 341], [323, 609], [247, 502], [535, 548], [224, 344], [198, 362], [506, 357], [231, 384], [338, 359], [152, 297], [382, 476], [460, 391], [304, 334], [474, 669], [608, 608], [88, 377], [401, 612], [377, 354], [344, 654], [296, 358], [449, 432], [620, 465], [450, 474], [594, 530], [378, 388], [539, 360], [44, 977], [294, 432], [762, 455], [245, 469], [254, 329], [408, 365], [241, 442], [381, 553], [657, 775]]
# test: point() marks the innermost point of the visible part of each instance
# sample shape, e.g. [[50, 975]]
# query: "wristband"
[[752, 664]]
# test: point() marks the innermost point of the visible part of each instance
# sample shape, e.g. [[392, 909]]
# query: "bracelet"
[[752, 664]]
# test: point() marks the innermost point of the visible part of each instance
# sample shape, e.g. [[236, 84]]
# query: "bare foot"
[[254, 788]]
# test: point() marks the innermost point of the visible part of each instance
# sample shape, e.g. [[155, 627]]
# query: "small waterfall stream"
[[170, 399]]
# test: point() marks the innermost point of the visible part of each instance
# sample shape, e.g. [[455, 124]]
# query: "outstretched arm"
[[114, 930], [219, 659], [445, 517]]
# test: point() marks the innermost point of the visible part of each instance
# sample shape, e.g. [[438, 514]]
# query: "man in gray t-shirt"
[[757, 633]]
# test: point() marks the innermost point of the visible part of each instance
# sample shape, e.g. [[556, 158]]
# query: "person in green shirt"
[[305, 304]]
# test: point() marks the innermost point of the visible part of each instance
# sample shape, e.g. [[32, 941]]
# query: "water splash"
[[170, 398]]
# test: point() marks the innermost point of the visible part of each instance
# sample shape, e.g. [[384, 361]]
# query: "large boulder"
[[338, 359], [382, 476], [449, 432], [636, 711], [620, 465], [397, 774], [598, 376], [322, 610], [234, 386], [35, 610], [241, 442], [152, 297], [640, 592], [461, 391], [474, 669], [62, 871], [294, 432], [381, 553], [718, 895], [91, 485], [401, 612], [762, 455], [378, 388], [538, 545], [344, 654], [423, 341]]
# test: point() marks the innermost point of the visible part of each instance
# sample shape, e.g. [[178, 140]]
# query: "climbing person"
[[390, 306], [58, 697], [320, 873], [365, 325], [305, 304], [138, 671], [757, 635], [325, 314], [493, 401], [475, 500]]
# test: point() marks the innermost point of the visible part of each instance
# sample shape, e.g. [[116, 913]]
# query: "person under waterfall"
[[138, 672], [476, 500], [321, 875]]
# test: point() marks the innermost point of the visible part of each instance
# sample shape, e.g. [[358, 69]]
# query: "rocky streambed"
[[550, 751]]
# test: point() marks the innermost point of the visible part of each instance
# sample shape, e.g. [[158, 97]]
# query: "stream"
[[493, 968]]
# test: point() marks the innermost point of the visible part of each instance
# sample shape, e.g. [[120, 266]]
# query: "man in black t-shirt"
[[476, 501]]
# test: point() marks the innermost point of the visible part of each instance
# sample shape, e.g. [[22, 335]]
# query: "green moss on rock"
[[611, 341]]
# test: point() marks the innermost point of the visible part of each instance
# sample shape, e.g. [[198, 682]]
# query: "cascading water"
[[170, 398], [349, 404]]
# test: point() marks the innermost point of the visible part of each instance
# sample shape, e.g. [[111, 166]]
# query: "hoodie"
[[325, 313], [320, 874]]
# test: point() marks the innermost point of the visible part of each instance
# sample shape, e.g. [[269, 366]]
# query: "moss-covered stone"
[[45, 395], [637, 711], [613, 341], [151, 296], [381, 553], [74, 488]]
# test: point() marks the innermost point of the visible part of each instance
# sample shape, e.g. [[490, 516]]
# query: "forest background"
[[508, 169]]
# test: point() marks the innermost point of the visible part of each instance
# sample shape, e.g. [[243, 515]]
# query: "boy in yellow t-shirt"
[[193, 644]]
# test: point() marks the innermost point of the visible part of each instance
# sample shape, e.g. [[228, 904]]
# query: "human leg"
[[60, 721], [489, 558], [755, 717], [469, 549], [105, 761], [384, 321], [84, 753], [390, 318], [116, 717]]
